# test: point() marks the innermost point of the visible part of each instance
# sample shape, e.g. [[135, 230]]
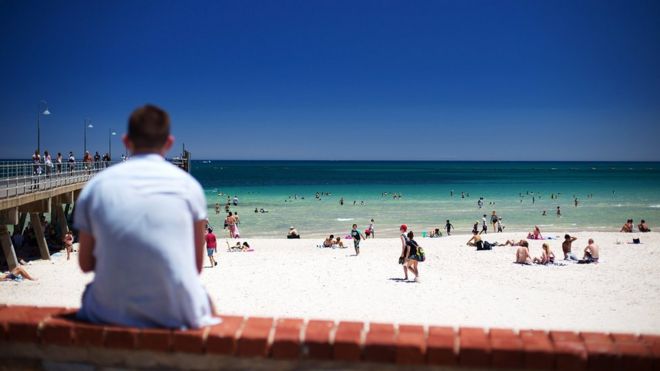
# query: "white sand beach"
[[459, 286]]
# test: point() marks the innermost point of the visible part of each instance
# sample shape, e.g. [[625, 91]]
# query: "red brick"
[[159, 340], [538, 351], [633, 356], [57, 331], [317, 339], [624, 338], [348, 338], [121, 337], [650, 339], [472, 332], [507, 352], [222, 338], [22, 322], [380, 345], [474, 350], [441, 346], [595, 337], [570, 355], [410, 347], [600, 355], [442, 331], [381, 327], [502, 333], [286, 342], [564, 336], [536, 334], [411, 329], [254, 338], [189, 341], [87, 334], [23, 330]]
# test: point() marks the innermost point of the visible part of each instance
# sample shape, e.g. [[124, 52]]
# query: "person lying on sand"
[[514, 242], [628, 227], [480, 244], [522, 254], [591, 253], [643, 227], [566, 247], [547, 256], [338, 242], [17, 273], [536, 234]]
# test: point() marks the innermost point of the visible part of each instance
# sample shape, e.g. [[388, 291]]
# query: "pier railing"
[[23, 177]]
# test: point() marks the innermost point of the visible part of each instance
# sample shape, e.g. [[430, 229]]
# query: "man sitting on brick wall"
[[141, 228]]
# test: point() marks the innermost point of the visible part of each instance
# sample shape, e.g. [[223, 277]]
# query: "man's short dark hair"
[[148, 127]]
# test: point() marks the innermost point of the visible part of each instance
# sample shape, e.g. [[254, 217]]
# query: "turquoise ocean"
[[608, 193]]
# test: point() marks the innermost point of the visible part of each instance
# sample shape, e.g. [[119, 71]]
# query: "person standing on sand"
[[371, 231], [411, 256], [357, 236], [404, 246], [558, 211], [211, 246], [146, 271], [494, 220], [230, 223], [484, 225], [566, 247], [448, 227]]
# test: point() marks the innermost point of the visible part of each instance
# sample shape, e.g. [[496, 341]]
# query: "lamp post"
[[110, 135], [88, 124], [45, 112]]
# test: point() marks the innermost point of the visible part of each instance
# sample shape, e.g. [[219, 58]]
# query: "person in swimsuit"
[[475, 228], [536, 234], [17, 273], [628, 227], [404, 246], [566, 247], [514, 243], [591, 253], [68, 244], [328, 242], [522, 254], [494, 220], [448, 227], [643, 227], [547, 256], [230, 223], [411, 258], [477, 242]]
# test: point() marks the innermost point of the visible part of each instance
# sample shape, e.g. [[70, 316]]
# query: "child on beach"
[[68, 244], [475, 228], [370, 232], [484, 225], [566, 247], [628, 227], [522, 254], [357, 236], [211, 246], [547, 256], [328, 242], [448, 227], [643, 227], [338, 242]]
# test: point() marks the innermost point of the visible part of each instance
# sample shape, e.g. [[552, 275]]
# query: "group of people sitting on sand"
[[591, 252], [642, 226], [244, 247], [333, 242]]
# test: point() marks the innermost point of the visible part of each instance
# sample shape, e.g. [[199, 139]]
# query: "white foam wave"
[[344, 219], [654, 206]]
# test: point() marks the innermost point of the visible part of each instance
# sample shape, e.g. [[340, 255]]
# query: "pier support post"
[[21, 222], [39, 235], [8, 248], [61, 220]]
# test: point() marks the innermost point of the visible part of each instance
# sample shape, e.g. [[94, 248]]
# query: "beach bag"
[[420, 254]]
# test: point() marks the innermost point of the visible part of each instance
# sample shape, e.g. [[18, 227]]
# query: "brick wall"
[[51, 334]]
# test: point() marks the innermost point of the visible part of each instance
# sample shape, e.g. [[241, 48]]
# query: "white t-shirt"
[[141, 215]]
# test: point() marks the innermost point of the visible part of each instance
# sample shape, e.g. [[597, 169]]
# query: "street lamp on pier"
[[45, 112], [88, 124]]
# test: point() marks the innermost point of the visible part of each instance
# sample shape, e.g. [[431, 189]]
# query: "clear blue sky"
[[428, 80]]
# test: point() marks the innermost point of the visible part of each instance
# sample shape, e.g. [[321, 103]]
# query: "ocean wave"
[[545, 225], [654, 206], [344, 219]]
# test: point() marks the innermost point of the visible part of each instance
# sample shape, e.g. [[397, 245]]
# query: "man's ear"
[[168, 144], [127, 143]]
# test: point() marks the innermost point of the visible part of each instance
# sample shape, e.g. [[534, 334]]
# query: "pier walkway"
[[33, 190]]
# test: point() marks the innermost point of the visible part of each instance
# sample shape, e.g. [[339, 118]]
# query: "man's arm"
[[86, 258], [200, 225]]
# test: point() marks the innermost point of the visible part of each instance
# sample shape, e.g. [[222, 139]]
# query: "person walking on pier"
[[146, 271]]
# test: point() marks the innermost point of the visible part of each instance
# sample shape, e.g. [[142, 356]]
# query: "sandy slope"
[[459, 286]]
